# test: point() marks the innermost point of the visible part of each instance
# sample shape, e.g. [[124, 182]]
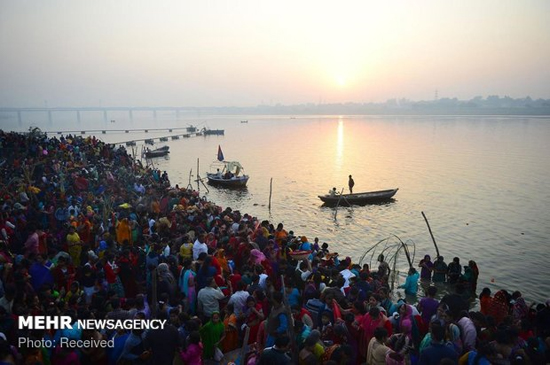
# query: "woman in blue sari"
[[186, 283]]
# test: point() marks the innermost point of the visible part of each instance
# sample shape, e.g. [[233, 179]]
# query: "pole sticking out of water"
[[198, 183], [431, 234], [270, 191]]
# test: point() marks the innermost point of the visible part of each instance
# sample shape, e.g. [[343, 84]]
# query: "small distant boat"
[[358, 198], [175, 137], [163, 139], [244, 121], [191, 128], [149, 141], [229, 174], [131, 143], [159, 152]]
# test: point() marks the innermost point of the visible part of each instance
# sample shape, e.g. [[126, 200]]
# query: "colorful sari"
[[188, 277], [210, 334], [368, 325], [499, 308], [231, 339]]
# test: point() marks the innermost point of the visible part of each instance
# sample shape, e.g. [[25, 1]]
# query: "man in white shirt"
[[199, 246], [209, 297], [238, 299], [151, 225]]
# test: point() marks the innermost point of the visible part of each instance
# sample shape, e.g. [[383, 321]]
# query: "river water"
[[483, 182]]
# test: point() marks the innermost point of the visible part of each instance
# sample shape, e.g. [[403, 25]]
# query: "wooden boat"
[[231, 176], [130, 143], [191, 128], [163, 139], [149, 141], [159, 152], [359, 198], [244, 121]]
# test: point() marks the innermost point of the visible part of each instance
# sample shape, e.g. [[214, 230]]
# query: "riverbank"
[[88, 229]]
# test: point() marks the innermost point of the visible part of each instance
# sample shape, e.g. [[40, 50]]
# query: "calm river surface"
[[483, 182]]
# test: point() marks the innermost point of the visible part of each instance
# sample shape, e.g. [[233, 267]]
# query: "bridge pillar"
[[78, 116], [177, 114], [131, 113], [19, 118], [155, 114], [105, 116], [50, 119]]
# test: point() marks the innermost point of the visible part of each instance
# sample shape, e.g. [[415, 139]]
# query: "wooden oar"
[[337, 204]]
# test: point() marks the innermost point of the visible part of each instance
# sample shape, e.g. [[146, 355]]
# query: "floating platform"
[[214, 132]]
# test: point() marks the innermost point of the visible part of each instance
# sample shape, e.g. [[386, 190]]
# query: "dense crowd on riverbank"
[[90, 233]]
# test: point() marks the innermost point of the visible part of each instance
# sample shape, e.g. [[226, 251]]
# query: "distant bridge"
[[104, 110]]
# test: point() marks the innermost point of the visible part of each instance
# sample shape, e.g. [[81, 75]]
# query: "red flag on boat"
[[220, 153]]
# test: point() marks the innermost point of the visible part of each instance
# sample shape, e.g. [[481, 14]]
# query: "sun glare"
[[340, 81]]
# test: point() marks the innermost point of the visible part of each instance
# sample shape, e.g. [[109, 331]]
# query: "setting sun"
[[340, 81]]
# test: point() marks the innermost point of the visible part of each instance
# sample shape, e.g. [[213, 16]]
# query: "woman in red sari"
[[369, 323], [499, 307], [253, 317]]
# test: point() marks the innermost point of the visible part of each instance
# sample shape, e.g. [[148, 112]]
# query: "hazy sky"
[[247, 52]]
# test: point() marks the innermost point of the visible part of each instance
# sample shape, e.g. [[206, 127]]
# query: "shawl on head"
[[257, 256]]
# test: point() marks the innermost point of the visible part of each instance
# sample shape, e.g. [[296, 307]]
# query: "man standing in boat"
[[351, 183]]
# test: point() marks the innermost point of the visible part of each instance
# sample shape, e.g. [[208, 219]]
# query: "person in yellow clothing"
[[316, 346], [280, 234], [222, 260], [123, 231], [74, 245], [186, 251]]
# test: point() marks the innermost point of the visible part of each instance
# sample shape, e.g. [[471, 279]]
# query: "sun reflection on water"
[[339, 156]]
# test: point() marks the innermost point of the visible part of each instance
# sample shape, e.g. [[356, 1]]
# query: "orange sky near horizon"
[[221, 53]]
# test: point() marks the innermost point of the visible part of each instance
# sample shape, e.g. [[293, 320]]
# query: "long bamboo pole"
[[431, 234], [337, 204], [198, 183]]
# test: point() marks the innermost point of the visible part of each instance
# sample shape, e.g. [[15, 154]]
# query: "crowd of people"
[[88, 232]]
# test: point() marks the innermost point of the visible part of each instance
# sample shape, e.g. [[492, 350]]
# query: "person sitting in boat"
[[332, 192], [218, 173], [228, 175]]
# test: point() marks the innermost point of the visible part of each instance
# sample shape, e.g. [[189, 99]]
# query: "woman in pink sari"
[[369, 323]]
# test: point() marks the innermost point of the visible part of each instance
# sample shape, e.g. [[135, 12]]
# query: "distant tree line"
[[493, 104]]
